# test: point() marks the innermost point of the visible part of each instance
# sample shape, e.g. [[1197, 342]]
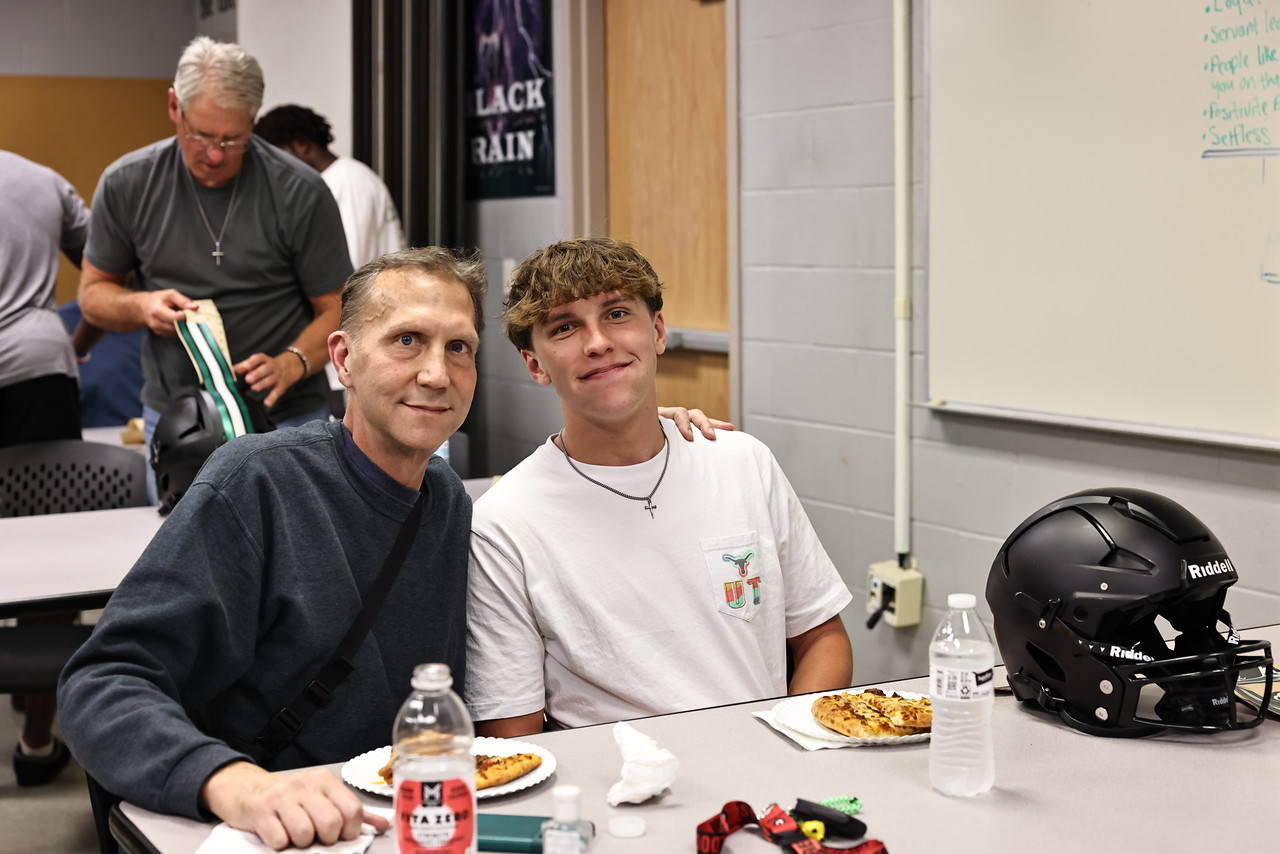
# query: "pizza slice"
[[873, 714], [496, 770], [912, 713], [490, 770]]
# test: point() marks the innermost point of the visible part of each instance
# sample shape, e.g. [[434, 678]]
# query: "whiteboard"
[[1104, 211]]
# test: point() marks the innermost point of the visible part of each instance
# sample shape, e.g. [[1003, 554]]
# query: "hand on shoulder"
[[687, 419]]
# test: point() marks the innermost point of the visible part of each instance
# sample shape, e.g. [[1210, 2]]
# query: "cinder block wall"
[[817, 296]]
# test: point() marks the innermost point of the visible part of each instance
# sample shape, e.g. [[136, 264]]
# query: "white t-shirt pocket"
[[736, 584]]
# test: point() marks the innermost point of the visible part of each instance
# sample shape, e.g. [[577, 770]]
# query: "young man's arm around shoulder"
[[823, 658]]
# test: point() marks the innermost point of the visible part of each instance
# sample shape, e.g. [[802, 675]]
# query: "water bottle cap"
[[626, 826], [432, 677], [961, 601], [566, 798]]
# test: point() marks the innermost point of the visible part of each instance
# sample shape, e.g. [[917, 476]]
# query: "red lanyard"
[[776, 826]]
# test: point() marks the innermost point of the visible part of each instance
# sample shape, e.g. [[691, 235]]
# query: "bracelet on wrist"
[[306, 365]]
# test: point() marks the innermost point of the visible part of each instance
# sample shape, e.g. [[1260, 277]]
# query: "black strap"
[[285, 724]]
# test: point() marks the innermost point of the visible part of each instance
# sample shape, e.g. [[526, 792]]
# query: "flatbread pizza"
[[490, 770], [873, 714], [496, 770]]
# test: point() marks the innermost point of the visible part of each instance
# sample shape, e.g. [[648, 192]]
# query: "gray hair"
[[466, 268], [221, 70]]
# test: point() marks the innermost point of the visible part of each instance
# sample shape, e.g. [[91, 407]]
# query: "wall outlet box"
[[898, 590]]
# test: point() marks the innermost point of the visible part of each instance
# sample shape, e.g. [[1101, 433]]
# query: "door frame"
[[582, 159]]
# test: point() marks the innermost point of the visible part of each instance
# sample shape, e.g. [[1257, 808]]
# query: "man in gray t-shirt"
[[41, 215], [213, 213]]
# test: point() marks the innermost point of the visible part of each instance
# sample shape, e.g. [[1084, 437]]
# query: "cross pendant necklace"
[[647, 499], [217, 252]]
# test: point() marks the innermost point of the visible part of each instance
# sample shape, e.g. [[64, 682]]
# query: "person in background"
[[213, 213], [617, 573], [110, 375], [368, 213], [41, 215]]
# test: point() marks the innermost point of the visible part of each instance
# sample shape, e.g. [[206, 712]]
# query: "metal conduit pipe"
[[902, 279]]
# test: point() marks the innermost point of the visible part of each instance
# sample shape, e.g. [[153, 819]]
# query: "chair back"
[[68, 476]]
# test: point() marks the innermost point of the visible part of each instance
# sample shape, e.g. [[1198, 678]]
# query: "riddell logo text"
[[1218, 567], [1131, 654]]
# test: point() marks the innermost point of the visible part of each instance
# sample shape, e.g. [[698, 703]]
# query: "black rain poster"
[[510, 109]]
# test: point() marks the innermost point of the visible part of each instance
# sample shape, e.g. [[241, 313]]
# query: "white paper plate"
[[361, 771], [797, 713]]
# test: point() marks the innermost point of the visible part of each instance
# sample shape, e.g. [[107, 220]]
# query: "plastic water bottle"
[[565, 833], [961, 758], [435, 773]]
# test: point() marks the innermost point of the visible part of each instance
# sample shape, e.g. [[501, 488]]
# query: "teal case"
[[509, 832]]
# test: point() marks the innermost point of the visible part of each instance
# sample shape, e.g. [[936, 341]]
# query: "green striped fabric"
[[216, 376]]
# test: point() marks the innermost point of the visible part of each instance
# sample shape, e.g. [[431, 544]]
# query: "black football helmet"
[[191, 428], [1086, 591]]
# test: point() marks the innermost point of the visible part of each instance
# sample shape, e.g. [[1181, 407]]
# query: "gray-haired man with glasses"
[[214, 213]]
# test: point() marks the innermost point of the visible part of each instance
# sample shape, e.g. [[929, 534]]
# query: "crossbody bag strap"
[[285, 724]]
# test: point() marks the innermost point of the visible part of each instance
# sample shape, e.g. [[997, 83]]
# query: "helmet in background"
[[1083, 596], [189, 430]]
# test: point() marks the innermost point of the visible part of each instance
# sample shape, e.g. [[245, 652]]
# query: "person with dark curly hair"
[[368, 212]]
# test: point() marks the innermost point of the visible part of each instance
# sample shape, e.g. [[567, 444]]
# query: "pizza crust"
[[873, 714]]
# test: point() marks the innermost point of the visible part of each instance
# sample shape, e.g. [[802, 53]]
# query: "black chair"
[[68, 475], [63, 476]]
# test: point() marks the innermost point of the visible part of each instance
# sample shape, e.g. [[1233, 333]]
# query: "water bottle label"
[[559, 841], [435, 816], [951, 684]]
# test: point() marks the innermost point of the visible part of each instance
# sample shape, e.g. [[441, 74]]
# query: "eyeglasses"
[[226, 146]]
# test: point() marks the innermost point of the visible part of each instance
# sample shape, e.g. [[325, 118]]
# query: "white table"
[[111, 436], [1057, 790], [73, 561], [69, 561]]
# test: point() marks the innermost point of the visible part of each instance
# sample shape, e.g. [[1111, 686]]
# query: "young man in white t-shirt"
[[617, 573]]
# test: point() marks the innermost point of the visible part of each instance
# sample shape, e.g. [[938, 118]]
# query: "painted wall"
[[304, 48], [817, 296], [89, 38]]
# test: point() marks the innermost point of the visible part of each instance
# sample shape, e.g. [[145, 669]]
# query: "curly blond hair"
[[572, 270]]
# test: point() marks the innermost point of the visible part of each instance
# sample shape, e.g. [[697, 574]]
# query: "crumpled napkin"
[[808, 742], [225, 839], [647, 769]]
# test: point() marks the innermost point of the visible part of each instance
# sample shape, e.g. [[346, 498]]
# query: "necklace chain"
[[217, 252], [647, 499]]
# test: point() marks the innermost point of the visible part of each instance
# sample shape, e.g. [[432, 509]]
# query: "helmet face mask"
[[1084, 594]]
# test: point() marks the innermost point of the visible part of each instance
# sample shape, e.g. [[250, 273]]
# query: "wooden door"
[[77, 126], [668, 173]]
